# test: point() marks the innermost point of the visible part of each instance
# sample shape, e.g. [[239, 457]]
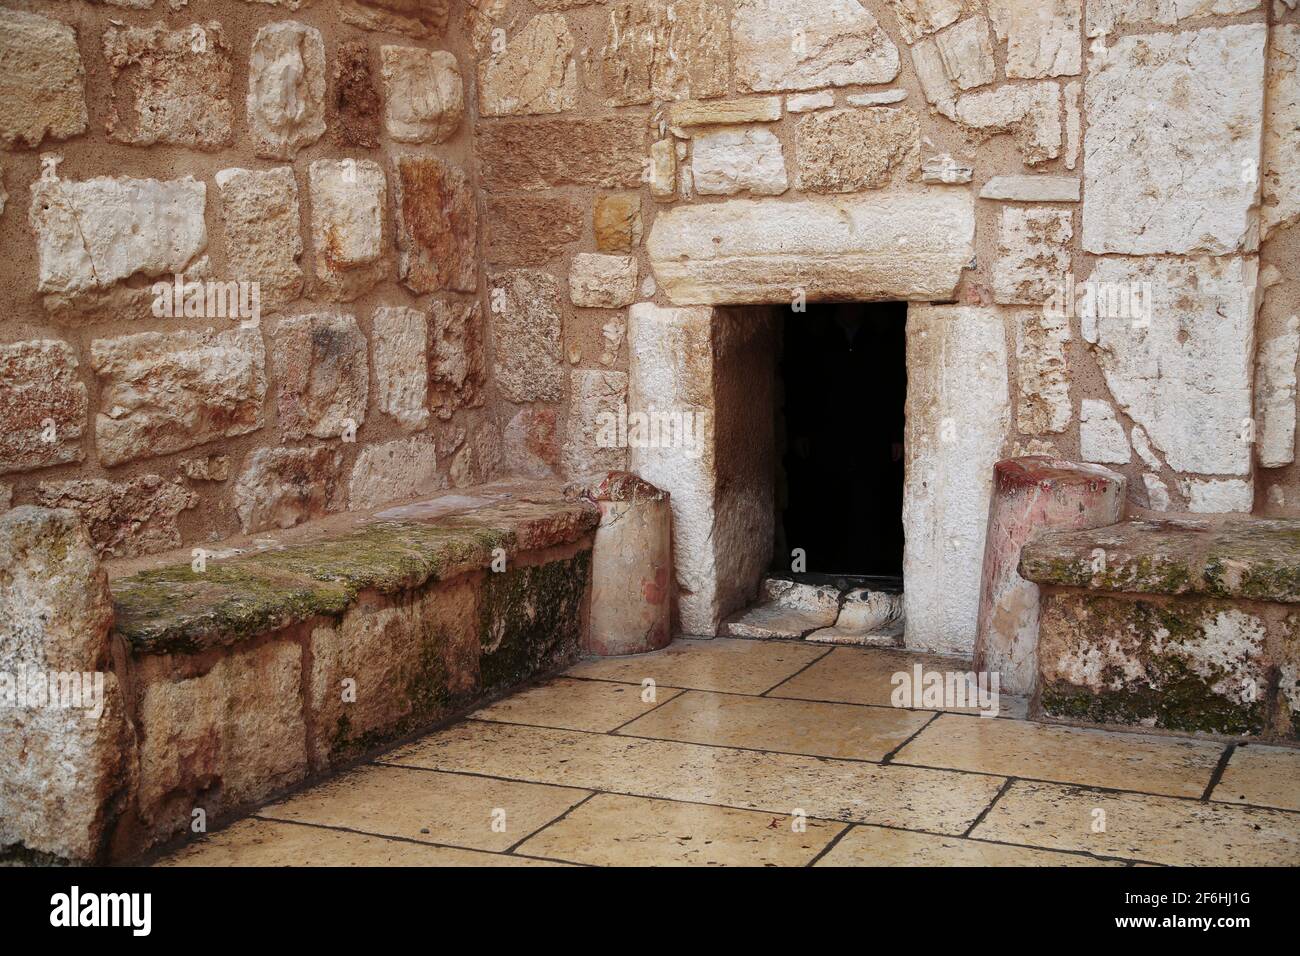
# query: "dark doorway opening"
[[842, 384]]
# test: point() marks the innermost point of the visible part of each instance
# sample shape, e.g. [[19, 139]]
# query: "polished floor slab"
[[567, 704], [1263, 776], [877, 846], [726, 664]]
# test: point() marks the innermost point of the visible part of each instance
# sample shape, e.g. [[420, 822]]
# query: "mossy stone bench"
[[1187, 625]]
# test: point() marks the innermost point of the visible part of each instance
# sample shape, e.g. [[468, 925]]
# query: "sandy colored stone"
[[319, 361], [966, 50], [1033, 255], [166, 392], [424, 96], [207, 468], [531, 441], [1032, 188], [599, 281], [842, 44], [663, 170], [1262, 776], [42, 87], [537, 154], [437, 225], [125, 519], [738, 159], [286, 89], [413, 18], [457, 361], [394, 471], [595, 398], [744, 109], [93, 233], [596, 706], [880, 98], [259, 213], [849, 150], [400, 345], [1107, 16], [1101, 436], [916, 18], [1165, 97], [877, 846], [616, 221], [1275, 383], [1042, 36], [282, 487], [527, 230], [1029, 114], [1043, 372], [348, 199], [356, 101], [43, 405], [170, 86], [534, 74], [807, 102], [723, 665], [527, 331], [657, 50], [1281, 177]]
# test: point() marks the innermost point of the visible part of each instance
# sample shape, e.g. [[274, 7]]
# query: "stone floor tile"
[[597, 706], [613, 830], [1264, 776], [877, 846], [730, 665], [1154, 829], [790, 726]]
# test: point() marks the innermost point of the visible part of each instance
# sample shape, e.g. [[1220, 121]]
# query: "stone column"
[[1031, 495], [631, 566]]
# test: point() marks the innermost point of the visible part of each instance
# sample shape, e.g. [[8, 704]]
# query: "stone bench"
[[1187, 625], [240, 675]]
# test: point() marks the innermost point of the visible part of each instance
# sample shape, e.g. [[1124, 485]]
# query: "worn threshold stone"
[[176, 609]]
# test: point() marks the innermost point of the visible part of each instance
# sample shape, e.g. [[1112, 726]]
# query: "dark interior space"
[[841, 386]]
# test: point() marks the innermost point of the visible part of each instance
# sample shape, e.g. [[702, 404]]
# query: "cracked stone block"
[[1042, 372], [866, 619], [534, 74], [916, 18], [1043, 37], [457, 360], [1165, 97], [324, 380], [43, 405], [657, 50], [591, 444], [1275, 384], [424, 96], [602, 282], [1029, 114], [532, 441], [527, 327], [966, 50], [849, 150], [738, 159], [1107, 16], [744, 109], [259, 211], [1033, 254], [616, 221], [1281, 179], [93, 233], [394, 471], [400, 343], [283, 487], [286, 89], [437, 225], [170, 86], [413, 18], [808, 44], [348, 199], [357, 104], [42, 88], [207, 468], [1101, 435], [787, 610], [125, 519], [525, 230], [531, 155], [166, 392], [1218, 495]]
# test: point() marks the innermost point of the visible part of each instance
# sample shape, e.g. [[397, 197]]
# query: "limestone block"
[[738, 159], [1042, 372], [424, 96], [967, 53], [42, 405], [881, 98], [1031, 495], [127, 518], [665, 50], [1101, 436], [400, 352], [1281, 202], [916, 18], [437, 225], [527, 230], [42, 89], [394, 471], [1165, 97], [788, 611], [166, 392], [744, 109], [617, 222], [602, 282], [907, 244], [849, 150], [1043, 37], [1032, 188], [807, 44], [866, 619], [348, 199], [807, 102], [286, 89], [207, 468], [413, 18], [527, 328], [282, 487], [1218, 495], [958, 421], [534, 74], [1106, 16], [663, 170], [1030, 114], [607, 152], [532, 441], [457, 363], [1275, 383], [597, 399], [259, 211], [324, 379], [1033, 255]]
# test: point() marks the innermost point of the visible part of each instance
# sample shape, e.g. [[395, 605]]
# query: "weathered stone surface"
[[880, 98], [958, 420], [357, 105], [62, 770], [866, 619], [532, 441], [400, 338], [1105, 16], [1281, 201], [739, 159], [259, 210], [424, 96], [591, 444], [125, 519], [744, 109], [414, 18], [1218, 495], [1042, 36], [1033, 257], [538, 154], [324, 380], [899, 245], [166, 392], [526, 230], [788, 611], [42, 405], [1032, 188], [457, 364], [93, 233], [1275, 384], [967, 53], [1030, 114], [602, 282], [807, 102], [527, 331], [170, 86], [348, 198], [1101, 436], [394, 471], [437, 225], [806, 44], [616, 221], [663, 170], [535, 72], [1183, 372], [207, 468], [282, 487], [1043, 372], [845, 151], [42, 87], [1165, 97], [916, 18], [286, 89], [657, 50], [943, 168]]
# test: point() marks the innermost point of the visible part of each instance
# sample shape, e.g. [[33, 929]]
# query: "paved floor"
[[764, 753]]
